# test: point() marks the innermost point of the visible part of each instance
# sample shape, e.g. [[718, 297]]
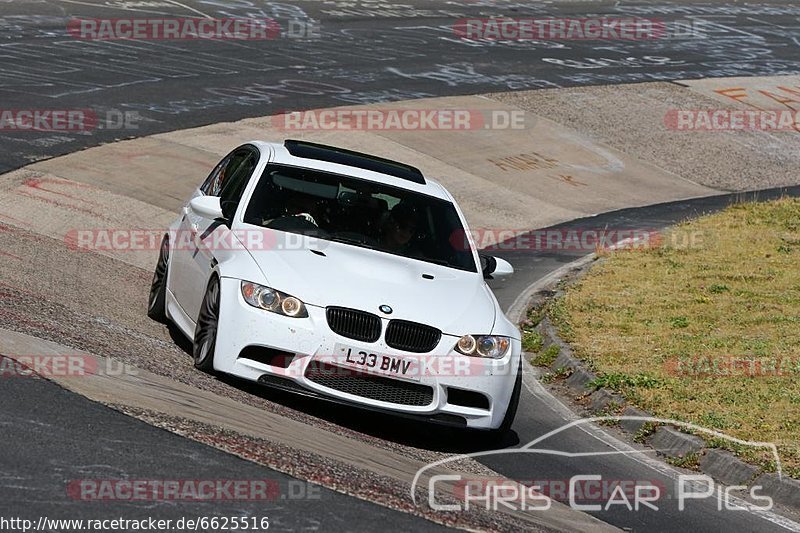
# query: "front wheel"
[[205, 333], [157, 303], [513, 404], [496, 435]]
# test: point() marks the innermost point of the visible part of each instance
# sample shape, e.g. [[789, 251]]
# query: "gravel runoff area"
[[328, 473], [619, 116]]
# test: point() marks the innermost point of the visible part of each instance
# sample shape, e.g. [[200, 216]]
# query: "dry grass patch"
[[679, 329]]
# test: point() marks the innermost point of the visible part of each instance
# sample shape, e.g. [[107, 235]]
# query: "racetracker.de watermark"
[[574, 29], [137, 240], [67, 120], [47, 120], [400, 120], [61, 366], [367, 364], [573, 239], [719, 120], [732, 366], [181, 29], [190, 490]]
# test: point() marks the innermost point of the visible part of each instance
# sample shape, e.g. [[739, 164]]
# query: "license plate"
[[372, 363]]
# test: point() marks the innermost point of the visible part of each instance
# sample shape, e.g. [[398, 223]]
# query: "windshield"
[[360, 213]]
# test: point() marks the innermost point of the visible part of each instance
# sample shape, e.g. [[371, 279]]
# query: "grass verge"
[[704, 327]]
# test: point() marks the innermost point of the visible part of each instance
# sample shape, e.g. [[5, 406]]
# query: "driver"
[[302, 205], [299, 213], [400, 227]]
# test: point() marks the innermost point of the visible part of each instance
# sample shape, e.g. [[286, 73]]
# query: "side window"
[[236, 182], [222, 173]]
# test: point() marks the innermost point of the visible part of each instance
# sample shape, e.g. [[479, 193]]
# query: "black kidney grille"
[[369, 386], [412, 337], [354, 324]]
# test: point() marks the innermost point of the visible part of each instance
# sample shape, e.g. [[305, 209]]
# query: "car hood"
[[336, 274]]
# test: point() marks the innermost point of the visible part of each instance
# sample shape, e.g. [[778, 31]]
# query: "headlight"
[[483, 346], [272, 300]]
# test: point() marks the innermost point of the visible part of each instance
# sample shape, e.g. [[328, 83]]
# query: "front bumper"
[[443, 386]]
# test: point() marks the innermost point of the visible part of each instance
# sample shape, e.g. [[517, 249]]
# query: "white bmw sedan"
[[343, 276]]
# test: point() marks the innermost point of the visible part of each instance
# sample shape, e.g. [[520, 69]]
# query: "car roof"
[[281, 155]]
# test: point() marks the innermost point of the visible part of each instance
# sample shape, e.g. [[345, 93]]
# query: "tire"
[[495, 436], [513, 404], [205, 333], [157, 302]]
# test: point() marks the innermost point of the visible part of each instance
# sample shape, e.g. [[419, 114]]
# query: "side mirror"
[[495, 267], [206, 206]]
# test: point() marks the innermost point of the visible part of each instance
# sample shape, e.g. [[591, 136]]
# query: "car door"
[[212, 236], [197, 235]]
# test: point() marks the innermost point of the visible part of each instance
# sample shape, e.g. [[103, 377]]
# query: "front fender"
[[238, 264]]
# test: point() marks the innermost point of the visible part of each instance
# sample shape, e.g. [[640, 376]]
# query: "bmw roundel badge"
[[385, 309]]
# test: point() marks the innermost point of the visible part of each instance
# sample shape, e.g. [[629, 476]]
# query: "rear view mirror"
[[322, 190]]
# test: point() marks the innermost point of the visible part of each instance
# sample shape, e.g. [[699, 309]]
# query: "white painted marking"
[[113, 7], [175, 2]]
